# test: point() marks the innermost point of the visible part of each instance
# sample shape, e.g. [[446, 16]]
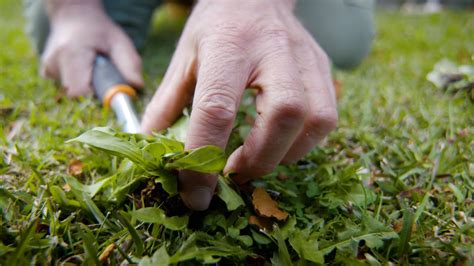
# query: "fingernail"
[[199, 198]]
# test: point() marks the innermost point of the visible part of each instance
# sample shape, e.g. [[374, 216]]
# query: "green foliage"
[[158, 216], [394, 184]]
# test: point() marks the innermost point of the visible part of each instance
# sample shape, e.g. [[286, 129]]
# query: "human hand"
[[226, 47], [80, 30]]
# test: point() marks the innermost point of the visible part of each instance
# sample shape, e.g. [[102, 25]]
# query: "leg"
[[133, 16], [343, 28]]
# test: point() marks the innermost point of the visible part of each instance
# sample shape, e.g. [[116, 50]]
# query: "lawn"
[[393, 184]]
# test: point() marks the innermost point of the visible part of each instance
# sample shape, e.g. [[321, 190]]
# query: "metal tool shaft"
[[125, 112], [111, 88]]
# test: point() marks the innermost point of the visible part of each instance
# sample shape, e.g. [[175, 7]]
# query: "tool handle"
[[110, 87], [106, 79]]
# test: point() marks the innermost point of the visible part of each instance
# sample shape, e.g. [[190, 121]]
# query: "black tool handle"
[[105, 76]]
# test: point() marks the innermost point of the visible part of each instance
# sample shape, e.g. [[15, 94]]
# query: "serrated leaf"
[[371, 231], [306, 248]]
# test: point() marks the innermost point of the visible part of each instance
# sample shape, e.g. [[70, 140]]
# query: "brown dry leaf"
[[265, 206], [338, 87], [106, 253], [67, 187], [75, 168], [282, 176], [260, 222]]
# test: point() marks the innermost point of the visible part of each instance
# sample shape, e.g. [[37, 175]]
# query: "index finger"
[[222, 76]]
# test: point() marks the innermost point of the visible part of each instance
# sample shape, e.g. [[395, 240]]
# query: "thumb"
[[126, 59]]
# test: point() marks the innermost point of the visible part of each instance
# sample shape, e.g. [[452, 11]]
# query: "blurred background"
[[456, 4]]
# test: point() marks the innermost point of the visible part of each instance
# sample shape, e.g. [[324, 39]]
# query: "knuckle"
[[275, 41], [230, 35], [289, 104], [217, 107], [295, 109], [323, 122], [278, 35]]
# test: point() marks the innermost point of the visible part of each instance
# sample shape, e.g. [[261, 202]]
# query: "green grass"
[[409, 143]]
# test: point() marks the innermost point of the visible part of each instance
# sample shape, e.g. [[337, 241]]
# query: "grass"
[[409, 143]]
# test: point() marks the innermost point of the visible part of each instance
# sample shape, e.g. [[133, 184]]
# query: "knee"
[[343, 28]]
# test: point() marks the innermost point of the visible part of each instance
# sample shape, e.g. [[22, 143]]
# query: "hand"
[[79, 32], [226, 47]]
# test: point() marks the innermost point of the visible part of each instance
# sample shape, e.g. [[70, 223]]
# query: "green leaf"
[[179, 129], [405, 233], [26, 237], [100, 139], [60, 197], [91, 190], [158, 216], [168, 181], [373, 232], [207, 249], [260, 238], [206, 159], [246, 240], [159, 258], [88, 240], [155, 152], [171, 145], [232, 200], [306, 248], [283, 255], [139, 246]]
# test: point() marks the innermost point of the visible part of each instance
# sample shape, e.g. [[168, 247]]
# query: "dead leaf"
[[260, 222], [282, 176], [338, 87], [75, 168], [106, 253], [67, 187], [265, 206], [411, 192]]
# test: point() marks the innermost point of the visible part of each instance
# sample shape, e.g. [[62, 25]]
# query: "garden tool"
[[110, 87]]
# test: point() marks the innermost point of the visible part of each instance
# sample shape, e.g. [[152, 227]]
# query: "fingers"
[[315, 69], [70, 60], [281, 108], [322, 112], [126, 59], [221, 80], [73, 67], [173, 94]]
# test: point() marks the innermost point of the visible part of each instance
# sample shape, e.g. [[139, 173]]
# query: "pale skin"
[[226, 47]]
